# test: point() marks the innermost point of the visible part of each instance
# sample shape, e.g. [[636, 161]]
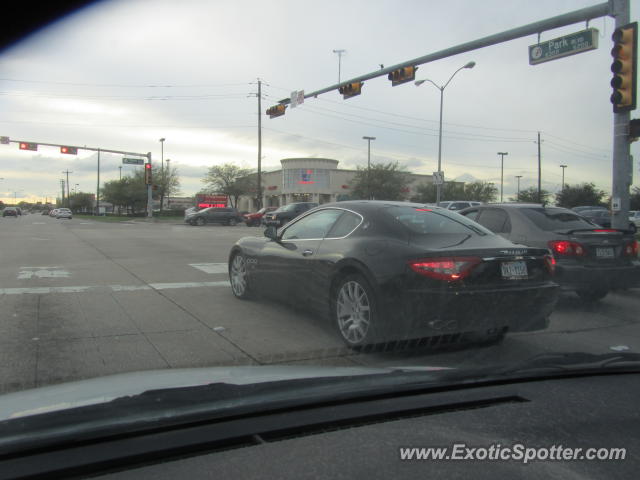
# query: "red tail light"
[[445, 268], [566, 248], [550, 263], [605, 230], [631, 249]]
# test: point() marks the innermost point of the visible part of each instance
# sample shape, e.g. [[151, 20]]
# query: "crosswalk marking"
[[113, 288], [211, 267]]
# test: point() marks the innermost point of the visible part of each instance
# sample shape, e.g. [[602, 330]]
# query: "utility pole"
[[120, 168], [98, 187], [340, 53], [621, 168], [68, 199], [368, 139], [502, 154], [518, 195], [62, 188], [562, 167], [259, 181], [539, 170]]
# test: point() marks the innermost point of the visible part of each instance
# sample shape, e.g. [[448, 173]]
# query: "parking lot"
[[81, 298]]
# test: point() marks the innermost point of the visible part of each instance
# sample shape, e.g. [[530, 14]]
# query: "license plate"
[[604, 252], [514, 270]]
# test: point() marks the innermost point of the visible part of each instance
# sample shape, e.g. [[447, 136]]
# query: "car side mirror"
[[271, 232]]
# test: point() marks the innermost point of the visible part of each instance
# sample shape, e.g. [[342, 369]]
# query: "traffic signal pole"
[[621, 169]]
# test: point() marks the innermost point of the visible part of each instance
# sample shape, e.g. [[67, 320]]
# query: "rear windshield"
[[436, 221], [552, 219]]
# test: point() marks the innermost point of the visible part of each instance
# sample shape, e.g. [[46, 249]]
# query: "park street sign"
[[578, 42], [133, 161]]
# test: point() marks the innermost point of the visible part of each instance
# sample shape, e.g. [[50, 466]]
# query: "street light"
[[441, 88], [161, 170], [502, 154], [518, 195], [368, 139], [562, 167], [340, 52]]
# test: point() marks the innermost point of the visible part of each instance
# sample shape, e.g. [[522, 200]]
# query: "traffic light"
[[351, 89], [28, 146], [147, 173], [276, 110], [624, 67], [402, 75], [69, 150]]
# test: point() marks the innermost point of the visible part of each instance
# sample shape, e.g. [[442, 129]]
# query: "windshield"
[[552, 219], [139, 137]]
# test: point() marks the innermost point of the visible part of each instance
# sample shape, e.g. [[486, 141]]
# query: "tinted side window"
[[471, 215], [345, 225], [316, 225], [495, 220]]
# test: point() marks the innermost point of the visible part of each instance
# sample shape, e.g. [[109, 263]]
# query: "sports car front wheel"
[[239, 277]]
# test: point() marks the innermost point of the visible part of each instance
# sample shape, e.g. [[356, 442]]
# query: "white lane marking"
[[42, 272], [39, 223], [114, 288], [38, 238], [211, 267], [86, 223]]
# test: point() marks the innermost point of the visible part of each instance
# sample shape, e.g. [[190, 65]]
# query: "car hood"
[[108, 388]]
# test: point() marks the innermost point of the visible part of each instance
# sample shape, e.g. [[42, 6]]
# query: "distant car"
[[52, 213], [286, 213], [583, 208], [589, 259], [19, 210], [64, 213], [255, 219], [45, 212], [224, 215], [634, 216], [458, 204], [603, 218], [10, 212]]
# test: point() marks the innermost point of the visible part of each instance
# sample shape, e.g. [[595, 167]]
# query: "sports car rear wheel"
[[354, 311]]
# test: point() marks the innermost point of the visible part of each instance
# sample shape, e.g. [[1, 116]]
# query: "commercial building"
[[312, 180]]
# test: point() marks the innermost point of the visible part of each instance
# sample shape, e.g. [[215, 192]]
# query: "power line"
[[78, 84]]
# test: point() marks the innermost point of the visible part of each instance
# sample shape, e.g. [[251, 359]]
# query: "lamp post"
[[441, 88], [518, 195], [562, 167], [368, 139], [340, 52], [164, 182], [502, 154]]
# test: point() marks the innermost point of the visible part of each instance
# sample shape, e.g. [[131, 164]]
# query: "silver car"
[[64, 213], [634, 216], [589, 259]]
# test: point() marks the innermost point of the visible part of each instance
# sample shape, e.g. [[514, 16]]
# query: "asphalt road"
[[81, 299]]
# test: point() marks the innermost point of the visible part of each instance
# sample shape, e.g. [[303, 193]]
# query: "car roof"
[[514, 205]]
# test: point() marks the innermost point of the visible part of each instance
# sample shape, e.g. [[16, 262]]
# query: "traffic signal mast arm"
[[576, 16], [72, 148]]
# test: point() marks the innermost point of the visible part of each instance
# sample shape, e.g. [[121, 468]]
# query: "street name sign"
[[133, 161], [571, 44]]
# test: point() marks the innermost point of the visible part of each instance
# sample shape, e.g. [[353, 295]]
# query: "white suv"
[[458, 204]]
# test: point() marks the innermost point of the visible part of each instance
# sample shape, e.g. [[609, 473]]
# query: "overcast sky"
[[121, 74]]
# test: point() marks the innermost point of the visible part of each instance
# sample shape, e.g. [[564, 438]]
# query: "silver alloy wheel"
[[232, 222], [353, 312], [200, 221], [238, 274]]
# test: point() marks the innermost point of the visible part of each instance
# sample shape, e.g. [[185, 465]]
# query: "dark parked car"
[[590, 260], [387, 270], [226, 216], [255, 219], [10, 212], [286, 213], [603, 218]]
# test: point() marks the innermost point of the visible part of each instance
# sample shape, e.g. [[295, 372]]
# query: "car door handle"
[[307, 252]]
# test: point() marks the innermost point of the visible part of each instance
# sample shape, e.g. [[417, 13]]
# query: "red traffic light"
[[147, 173], [28, 146], [69, 150]]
